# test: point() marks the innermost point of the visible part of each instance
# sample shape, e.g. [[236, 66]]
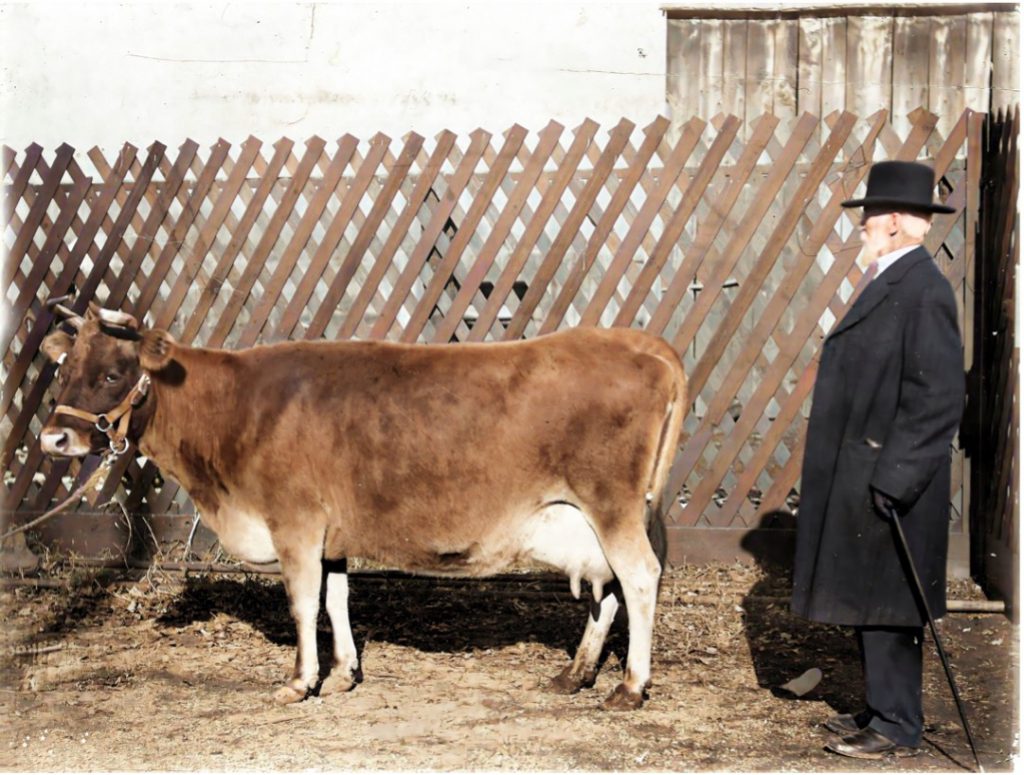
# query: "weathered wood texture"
[[992, 422], [862, 60], [737, 251]]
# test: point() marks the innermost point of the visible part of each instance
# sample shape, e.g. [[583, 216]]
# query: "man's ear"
[[155, 349], [57, 345]]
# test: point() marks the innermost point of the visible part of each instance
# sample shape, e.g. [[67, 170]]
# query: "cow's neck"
[[189, 400]]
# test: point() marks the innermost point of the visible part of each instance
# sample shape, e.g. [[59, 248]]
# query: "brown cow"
[[451, 460]]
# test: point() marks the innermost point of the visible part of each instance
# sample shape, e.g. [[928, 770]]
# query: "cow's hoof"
[[566, 682], [569, 682], [623, 699], [289, 693], [337, 682]]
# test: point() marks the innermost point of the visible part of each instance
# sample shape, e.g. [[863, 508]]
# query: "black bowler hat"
[[901, 185]]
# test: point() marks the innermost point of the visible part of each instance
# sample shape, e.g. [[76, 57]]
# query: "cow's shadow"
[[784, 646], [444, 617]]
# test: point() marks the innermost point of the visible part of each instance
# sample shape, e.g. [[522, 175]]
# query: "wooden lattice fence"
[[736, 250]]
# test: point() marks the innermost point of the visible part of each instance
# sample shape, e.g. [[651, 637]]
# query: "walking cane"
[[935, 634]]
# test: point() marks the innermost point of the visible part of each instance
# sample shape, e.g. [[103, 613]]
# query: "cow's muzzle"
[[113, 424], [64, 442]]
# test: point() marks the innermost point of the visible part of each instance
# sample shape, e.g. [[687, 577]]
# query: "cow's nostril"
[[55, 442]]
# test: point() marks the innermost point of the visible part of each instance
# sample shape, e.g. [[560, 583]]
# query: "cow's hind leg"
[[582, 672], [637, 569], [345, 669], [300, 567]]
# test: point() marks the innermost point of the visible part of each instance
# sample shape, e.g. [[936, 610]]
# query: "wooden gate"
[[992, 421], [730, 244]]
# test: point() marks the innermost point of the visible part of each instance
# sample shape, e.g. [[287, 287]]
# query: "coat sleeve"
[[931, 399]]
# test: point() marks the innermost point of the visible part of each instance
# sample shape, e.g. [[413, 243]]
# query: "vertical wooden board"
[[1005, 59], [810, 51], [711, 74], [946, 57], [683, 52], [978, 61], [734, 67], [909, 69], [868, 64], [833, 68], [758, 71], [784, 68]]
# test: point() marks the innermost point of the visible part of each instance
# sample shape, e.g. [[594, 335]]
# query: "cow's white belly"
[[559, 536], [242, 534]]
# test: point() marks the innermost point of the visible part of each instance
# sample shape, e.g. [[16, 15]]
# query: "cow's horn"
[[114, 318], [76, 320]]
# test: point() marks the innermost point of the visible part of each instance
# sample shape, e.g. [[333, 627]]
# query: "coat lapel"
[[878, 289]]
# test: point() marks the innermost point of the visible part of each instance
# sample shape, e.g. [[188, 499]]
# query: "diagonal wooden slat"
[[670, 236], [653, 135], [444, 143], [641, 226], [367, 168], [249, 150], [758, 209], [54, 239], [763, 130], [286, 264], [181, 225], [514, 138], [514, 205], [241, 231], [775, 242], [229, 315], [398, 172], [389, 313], [617, 140], [36, 212], [15, 191], [550, 198]]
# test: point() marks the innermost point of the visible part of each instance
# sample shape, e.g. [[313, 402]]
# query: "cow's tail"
[[668, 446]]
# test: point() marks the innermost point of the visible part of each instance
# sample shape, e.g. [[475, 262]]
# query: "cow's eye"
[[112, 377]]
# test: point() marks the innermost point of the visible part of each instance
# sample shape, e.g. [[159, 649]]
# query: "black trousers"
[[891, 658]]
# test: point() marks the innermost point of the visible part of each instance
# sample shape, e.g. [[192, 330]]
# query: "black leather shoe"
[[844, 724], [869, 744]]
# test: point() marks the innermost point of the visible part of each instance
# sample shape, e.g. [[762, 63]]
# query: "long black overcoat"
[[887, 402]]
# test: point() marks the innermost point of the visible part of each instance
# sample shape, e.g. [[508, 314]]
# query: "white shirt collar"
[[889, 259]]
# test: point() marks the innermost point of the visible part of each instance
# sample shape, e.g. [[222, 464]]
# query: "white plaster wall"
[[93, 73]]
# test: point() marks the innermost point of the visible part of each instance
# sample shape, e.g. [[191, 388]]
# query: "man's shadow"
[[784, 646]]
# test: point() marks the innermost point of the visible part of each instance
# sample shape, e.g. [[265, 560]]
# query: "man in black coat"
[[887, 403]]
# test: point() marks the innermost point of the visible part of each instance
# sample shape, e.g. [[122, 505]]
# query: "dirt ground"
[[111, 670]]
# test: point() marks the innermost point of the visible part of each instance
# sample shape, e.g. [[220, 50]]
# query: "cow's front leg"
[[300, 566], [345, 670]]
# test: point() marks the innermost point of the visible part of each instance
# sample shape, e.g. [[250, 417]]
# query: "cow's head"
[[103, 374]]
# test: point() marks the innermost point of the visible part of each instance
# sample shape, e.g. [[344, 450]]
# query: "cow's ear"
[[57, 345], [155, 349]]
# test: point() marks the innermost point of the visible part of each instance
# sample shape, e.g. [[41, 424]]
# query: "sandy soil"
[[108, 671]]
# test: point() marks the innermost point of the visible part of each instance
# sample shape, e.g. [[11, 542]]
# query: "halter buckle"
[[103, 423], [119, 447]]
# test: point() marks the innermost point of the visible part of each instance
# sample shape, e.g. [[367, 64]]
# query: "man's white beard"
[[864, 258]]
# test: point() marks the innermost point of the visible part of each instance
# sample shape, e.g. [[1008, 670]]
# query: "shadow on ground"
[[404, 611], [783, 646]]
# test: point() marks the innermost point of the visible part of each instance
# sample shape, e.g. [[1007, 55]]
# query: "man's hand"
[[884, 505]]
